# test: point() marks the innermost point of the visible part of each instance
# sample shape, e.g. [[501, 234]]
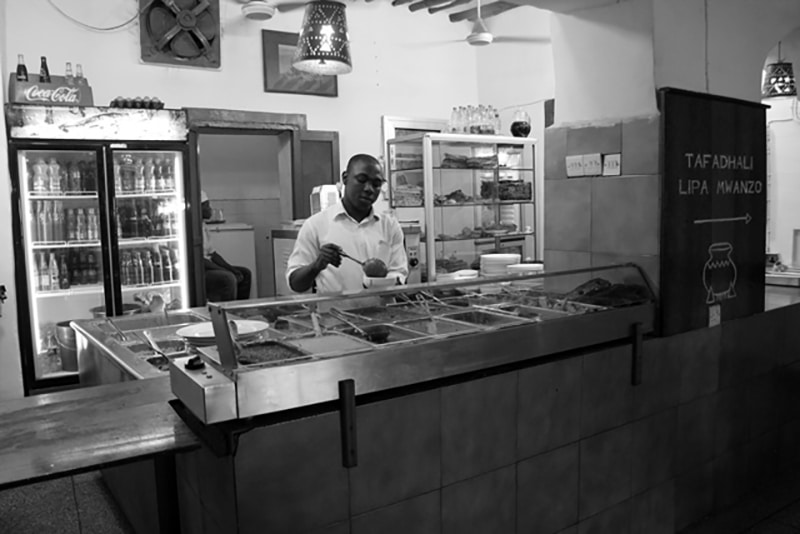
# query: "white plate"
[[501, 258], [205, 331]]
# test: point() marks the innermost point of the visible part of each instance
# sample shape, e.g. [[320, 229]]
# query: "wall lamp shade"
[[323, 46], [778, 80]]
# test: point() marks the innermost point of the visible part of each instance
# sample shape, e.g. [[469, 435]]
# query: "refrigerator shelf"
[[46, 245], [148, 240], [145, 194], [139, 287], [79, 195], [73, 291]]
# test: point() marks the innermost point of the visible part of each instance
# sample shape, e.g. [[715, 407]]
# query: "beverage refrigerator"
[[100, 224]]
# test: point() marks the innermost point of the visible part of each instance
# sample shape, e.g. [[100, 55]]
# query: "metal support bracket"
[[637, 332], [347, 422]]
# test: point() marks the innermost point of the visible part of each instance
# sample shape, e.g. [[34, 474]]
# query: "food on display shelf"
[[450, 265], [408, 196], [506, 190], [452, 198], [457, 161], [407, 161]]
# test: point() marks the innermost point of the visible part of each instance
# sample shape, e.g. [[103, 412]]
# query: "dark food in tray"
[[615, 295], [488, 230], [383, 333], [454, 197], [506, 190], [387, 313], [269, 351], [457, 161], [270, 313], [290, 328]]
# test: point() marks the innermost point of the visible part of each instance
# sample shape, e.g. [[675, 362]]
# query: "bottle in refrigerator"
[[40, 179], [133, 220], [76, 266], [150, 174], [145, 224], [126, 268], [147, 267], [80, 225], [72, 225], [88, 176], [138, 174], [166, 265], [158, 272], [44, 275], [75, 178], [53, 272], [161, 183], [138, 268], [175, 263], [169, 176], [92, 276], [63, 272], [45, 223], [64, 172], [54, 176], [58, 222], [92, 233]]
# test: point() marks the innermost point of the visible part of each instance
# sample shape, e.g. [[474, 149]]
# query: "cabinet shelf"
[[145, 194], [69, 195], [462, 169], [76, 291], [482, 238], [133, 241], [140, 287], [47, 245]]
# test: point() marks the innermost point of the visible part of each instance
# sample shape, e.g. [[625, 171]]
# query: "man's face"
[[362, 184], [206, 209]]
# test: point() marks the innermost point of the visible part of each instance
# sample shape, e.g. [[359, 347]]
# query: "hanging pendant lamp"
[[779, 78], [323, 46]]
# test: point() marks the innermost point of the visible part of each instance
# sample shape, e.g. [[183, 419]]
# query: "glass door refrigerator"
[[100, 230]]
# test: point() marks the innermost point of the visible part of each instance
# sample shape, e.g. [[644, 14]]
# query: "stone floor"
[[82, 505]]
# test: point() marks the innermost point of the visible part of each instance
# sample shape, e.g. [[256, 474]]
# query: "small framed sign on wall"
[[279, 74]]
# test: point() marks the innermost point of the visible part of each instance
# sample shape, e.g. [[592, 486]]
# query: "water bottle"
[[91, 225], [80, 225]]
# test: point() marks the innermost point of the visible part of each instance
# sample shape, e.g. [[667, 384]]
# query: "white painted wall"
[[783, 126], [10, 367], [603, 62]]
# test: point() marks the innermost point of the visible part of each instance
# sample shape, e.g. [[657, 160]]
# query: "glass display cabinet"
[[269, 355], [472, 194]]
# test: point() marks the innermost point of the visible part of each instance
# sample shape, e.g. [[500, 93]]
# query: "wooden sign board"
[[713, 209]]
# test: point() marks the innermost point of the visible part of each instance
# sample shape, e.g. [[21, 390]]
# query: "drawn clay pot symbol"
[[719, 273]]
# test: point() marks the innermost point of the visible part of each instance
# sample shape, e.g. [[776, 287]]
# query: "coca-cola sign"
[[59, 95], [56, 93]]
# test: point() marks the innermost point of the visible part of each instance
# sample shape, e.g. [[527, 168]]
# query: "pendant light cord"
[[96, 28]]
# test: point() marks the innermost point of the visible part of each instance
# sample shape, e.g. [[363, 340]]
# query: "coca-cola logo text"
[[61, 95]]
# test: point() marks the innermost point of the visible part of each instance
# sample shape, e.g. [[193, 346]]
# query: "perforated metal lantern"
[[779, 80], [324, 45]]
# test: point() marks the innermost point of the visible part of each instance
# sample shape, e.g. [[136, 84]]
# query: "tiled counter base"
[[562, 446]]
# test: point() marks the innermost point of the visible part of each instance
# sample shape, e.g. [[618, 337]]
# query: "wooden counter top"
[[58, 434]]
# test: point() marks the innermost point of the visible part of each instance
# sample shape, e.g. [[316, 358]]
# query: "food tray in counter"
[[484, 319], [438, 326], [393, 333], [329, 344]]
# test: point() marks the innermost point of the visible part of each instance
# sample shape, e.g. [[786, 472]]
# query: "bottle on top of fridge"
[[80, 225], [70, 79], [91, 225], [22, 70], [44, 71], [40, 178], [79, 78]]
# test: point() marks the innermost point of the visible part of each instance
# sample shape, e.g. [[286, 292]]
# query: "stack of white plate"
[[202, 334], [496, 264], [525, 268]]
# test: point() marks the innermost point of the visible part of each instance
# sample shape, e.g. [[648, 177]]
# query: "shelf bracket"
[[637, 333], [347, 422]]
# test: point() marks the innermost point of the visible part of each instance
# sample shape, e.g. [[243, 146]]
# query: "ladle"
[[349, 257], [376, 333], [153, 344]]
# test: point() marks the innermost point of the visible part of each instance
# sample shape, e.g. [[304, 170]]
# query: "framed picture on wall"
[[279, 74]]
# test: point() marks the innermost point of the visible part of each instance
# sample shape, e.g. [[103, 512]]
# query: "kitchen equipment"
[[374, 333], [411, 239]]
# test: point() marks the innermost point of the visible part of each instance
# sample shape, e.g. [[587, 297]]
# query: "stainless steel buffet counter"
[[303, 347]]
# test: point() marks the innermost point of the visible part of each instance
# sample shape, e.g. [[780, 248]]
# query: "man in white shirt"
[[350, 226]]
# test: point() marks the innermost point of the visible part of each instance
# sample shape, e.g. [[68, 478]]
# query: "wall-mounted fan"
[[180, 32]]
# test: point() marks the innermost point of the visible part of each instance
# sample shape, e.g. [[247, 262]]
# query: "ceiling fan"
[[265, 9], [481, 36]]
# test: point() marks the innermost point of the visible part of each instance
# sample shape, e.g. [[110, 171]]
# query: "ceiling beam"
[[489, 10], [565, 6], [416, 6], [401, 2], [451, 5]]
